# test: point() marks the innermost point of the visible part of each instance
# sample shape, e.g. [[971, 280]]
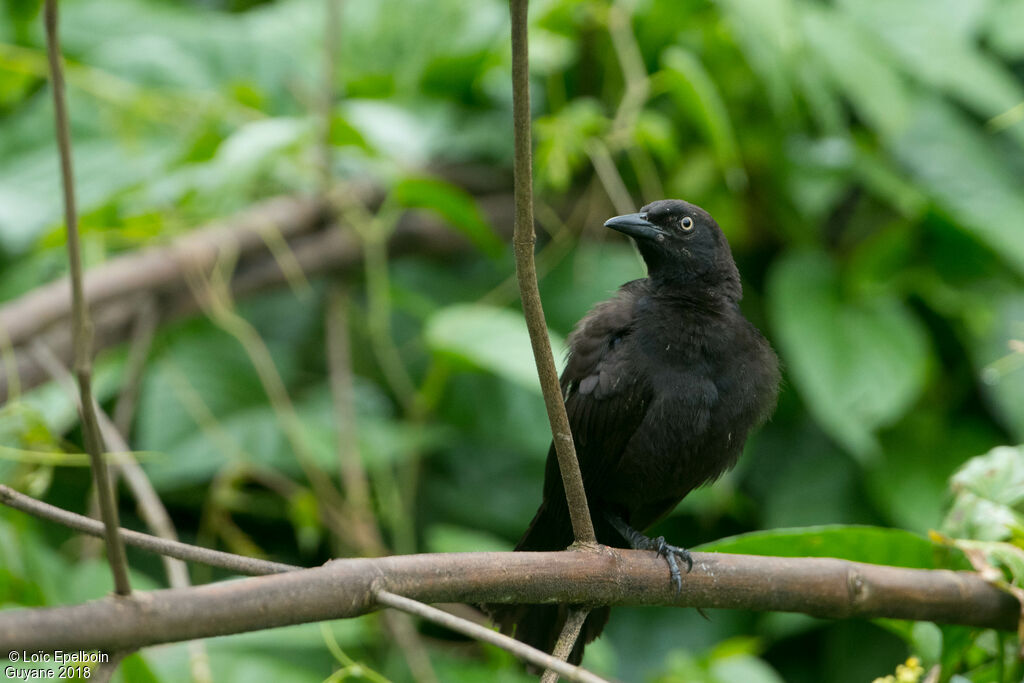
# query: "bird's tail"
[[540, 625]]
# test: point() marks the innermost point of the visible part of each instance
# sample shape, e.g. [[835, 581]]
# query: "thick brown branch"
[[821, 587], [526, 271], [81, 335]]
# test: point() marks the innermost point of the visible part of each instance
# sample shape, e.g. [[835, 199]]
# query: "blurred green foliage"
[[865, 158]]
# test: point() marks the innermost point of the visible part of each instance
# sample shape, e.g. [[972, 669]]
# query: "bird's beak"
[[635, 225]]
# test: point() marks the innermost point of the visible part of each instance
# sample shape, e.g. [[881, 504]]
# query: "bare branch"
[[151, 508], [183, 551], [566, 641], [822, 587], [401, 627], [143, 330], [523, 242], [609, 176], [465, 627], [353, 475], [82, 328], [115, 289], [332, 19], [156, 270]]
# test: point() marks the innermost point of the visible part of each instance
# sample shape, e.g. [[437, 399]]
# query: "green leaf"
[[767, 32], [448, 538], [964, 175], [490, 338], [1006, 29], [135, 668], [103, 168], [562, 140], [996, 332], [56, 407], [913, 491], [454, 205], [855, 65], [744, 668], [989, 497], [1006, 556], [592, 274], [858, 364], [694, 92], [940, 48], [258, 143], [344, 134], [874, 545]]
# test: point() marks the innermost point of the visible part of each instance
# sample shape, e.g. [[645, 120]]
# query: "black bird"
[[662, 386]]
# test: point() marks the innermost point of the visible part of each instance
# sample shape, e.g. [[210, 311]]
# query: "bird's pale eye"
[[686, 223]]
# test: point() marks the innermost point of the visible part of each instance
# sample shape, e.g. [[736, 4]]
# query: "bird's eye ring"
[[686, 223]]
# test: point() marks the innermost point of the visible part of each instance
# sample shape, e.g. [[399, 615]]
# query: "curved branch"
[[822, 587]]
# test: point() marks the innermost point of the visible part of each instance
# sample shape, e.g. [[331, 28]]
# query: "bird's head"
[[683, 245]]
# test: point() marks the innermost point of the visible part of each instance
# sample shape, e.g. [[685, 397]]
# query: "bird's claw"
[[670, 553]]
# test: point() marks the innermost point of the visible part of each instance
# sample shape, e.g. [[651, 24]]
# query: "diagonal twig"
[[82, 328], [466, 627], [354, 479], [183, 551], [151, 508], [566, 641]]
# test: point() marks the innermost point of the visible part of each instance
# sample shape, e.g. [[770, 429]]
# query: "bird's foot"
[[671, 553]]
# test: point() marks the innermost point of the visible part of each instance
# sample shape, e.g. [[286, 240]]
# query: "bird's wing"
[[605, 397]]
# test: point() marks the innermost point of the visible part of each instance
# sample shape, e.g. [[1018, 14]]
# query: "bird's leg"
[[638, 541]]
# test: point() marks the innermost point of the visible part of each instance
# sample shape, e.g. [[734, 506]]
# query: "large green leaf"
[[453, 204], [963, 173], [103, 167], [767, 31], [695, 92], [562, 140], [1006, 29], [292, 654], [853, 62], [874, 545], [939, 47], [493, 339], [996, 334], [858, 364]]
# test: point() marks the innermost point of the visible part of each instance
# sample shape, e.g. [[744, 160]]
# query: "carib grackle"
[[663, 383]]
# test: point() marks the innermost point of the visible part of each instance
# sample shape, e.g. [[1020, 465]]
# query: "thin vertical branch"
[[82, 327], [332, 17], [610, 178], [214, 297], [151, 508], [354, 479], [523, 242], [142, 341], [403, 630]]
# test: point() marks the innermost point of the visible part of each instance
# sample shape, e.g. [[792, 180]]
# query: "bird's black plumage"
[[663, 384]]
